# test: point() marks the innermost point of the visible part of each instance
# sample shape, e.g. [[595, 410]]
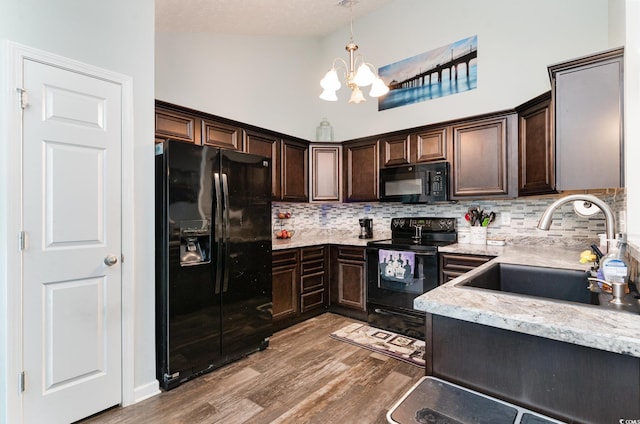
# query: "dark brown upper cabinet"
[[221, 135], [536, 151], [429, 145], [171, 124], [362, 165], [588, 125], [269, 146], [294, 172], [395, 150], [484, 162]]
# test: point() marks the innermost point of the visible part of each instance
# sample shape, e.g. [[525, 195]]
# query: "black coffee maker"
[[366, 228]]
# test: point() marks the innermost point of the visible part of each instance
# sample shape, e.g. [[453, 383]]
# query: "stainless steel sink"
[[550, 283]]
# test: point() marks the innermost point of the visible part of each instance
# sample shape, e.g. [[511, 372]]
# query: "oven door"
[[396, 277]]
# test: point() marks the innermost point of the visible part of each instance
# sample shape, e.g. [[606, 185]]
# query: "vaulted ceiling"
[[261, 17]]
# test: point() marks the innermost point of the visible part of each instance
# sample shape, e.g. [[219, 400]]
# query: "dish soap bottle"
[[614, 267]]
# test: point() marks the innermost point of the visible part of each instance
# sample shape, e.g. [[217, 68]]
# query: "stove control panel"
[[433, 225]]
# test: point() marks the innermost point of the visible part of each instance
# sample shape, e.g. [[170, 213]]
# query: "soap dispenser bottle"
[[614, 266]]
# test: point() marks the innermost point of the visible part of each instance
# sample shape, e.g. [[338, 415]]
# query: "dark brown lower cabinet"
[[348, 281], [300, 286], [309, 280], [453, 265], [313, 279], [566, 381], [285, 284]]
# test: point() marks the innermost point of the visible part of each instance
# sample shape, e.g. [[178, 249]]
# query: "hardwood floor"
[[304, 376]]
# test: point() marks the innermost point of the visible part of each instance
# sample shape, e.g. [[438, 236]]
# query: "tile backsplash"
[[516, 219]]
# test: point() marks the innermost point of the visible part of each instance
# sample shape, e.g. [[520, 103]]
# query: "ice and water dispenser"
[[195, 242]]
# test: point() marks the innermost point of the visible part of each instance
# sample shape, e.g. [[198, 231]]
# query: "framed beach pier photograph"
[[440, 72]]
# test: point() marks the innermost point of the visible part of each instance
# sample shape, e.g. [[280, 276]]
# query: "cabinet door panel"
[[325, 173], [536, 152], [285, 296], [589, 130], [485, 158], [294, 161], [351, 284], [265, 145], [480, 159], [177, 126], [221, 135], [395, 150], [362, 166], [431, 145]]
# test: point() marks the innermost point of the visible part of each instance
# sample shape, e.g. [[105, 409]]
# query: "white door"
[[72, 222]]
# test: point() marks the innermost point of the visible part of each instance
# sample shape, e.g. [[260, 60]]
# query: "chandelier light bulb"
[[378, 88], [364, 76], [331, 81], [329, 95], [357, 96]]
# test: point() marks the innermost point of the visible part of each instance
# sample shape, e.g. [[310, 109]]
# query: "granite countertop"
[[586, 325], [318, 237]]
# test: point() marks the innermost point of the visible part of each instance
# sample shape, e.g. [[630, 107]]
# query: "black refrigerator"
[[213, 258]]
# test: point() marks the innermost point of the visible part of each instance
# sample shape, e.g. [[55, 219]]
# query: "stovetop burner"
[[420, 233]]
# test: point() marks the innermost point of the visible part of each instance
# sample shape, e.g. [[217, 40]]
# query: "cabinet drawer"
[[312, 300], [282, 257], [450, 275], [312, 267], [351, 252], [462, 263], [315, 252], [312, 282]]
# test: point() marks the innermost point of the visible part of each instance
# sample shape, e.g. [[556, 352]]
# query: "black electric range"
[[402, 268]]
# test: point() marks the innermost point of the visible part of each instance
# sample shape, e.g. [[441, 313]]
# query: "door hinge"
[[21, 240], [22, 378], [24, 97]]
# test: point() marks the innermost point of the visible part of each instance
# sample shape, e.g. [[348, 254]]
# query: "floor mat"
[[386, 342]]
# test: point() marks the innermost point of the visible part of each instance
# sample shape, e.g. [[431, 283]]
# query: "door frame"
[[11, 266]]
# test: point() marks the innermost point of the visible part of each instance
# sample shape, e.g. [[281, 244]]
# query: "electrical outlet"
[[505, 218]]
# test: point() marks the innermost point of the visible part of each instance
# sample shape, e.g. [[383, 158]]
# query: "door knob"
[[111, 260]]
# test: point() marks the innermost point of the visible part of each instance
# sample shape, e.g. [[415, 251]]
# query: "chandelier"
[[365, 75]]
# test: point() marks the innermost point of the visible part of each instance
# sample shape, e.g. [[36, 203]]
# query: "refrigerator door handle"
[[227, 229], [218, 230]]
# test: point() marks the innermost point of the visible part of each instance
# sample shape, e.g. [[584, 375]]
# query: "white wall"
[[266, 81], [119, 36], [517, 41]]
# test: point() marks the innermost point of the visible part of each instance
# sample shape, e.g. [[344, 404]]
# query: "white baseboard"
[[146, 391]]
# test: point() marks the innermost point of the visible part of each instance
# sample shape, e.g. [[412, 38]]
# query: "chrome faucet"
[[545, 219]]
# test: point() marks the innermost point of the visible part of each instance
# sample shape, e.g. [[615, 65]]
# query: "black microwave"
[[422, 183]]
